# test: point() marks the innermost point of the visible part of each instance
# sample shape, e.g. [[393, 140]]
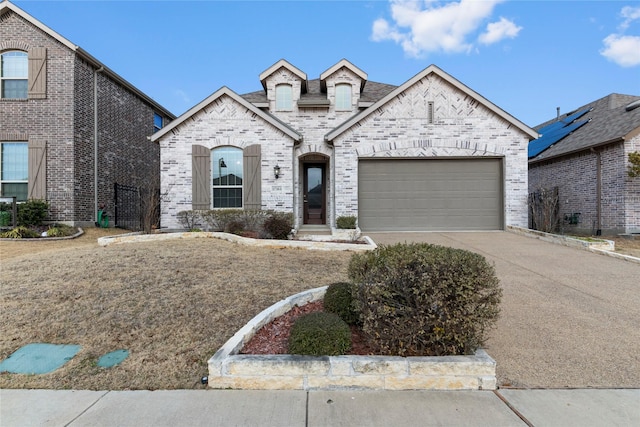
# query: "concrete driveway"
[[570, 317]]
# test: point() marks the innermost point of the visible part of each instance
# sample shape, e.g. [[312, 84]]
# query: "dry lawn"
[[171, 304]]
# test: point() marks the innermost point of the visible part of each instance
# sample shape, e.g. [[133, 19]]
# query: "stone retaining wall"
[[228, 369]]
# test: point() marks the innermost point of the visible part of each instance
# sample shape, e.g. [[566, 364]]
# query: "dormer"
[[343, 83], [284, 84]]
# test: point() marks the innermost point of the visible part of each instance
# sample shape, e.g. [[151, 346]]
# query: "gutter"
[[95, 141]]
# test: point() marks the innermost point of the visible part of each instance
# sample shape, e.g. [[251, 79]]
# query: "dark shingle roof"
[[610, 121], [372, 92]]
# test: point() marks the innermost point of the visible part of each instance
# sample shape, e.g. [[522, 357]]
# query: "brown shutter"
[[38, 72], [252, 177], [201, 179], [37, 186]]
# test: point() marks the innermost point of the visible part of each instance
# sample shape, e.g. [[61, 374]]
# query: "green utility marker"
[[39, 358]]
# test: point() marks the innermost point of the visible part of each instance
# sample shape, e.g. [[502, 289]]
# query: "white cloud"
[[497, 31], [182, 96], [623, 50], [429, 26], [629, 14]]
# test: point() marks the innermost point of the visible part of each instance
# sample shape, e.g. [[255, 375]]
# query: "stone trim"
[[9, 136], [14, 44], [228, 369]]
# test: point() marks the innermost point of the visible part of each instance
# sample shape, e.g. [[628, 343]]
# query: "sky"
[[527, 57]]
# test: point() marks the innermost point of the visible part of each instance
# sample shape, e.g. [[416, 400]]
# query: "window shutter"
[[37, 186], [38, 73], [252, 177], [201, 179]]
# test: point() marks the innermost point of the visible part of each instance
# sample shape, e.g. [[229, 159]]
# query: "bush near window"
[[278, 225], [425, 300], [320, 334], [188, 219], [346, 222], [338, 299], [32, 212]]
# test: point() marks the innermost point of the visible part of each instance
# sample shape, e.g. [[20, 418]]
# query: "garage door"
[[430, 195]]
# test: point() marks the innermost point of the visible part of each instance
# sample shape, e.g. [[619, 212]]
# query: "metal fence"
[[128, 207]]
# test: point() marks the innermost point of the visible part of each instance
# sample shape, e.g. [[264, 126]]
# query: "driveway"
[[570, 318]]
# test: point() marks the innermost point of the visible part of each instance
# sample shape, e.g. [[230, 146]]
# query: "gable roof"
[[431, 69], [283, 63], [612, 119], [343, 63], [225, 91], [7, 7]]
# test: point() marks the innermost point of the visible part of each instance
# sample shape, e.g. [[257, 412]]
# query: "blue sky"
[[527, 57]]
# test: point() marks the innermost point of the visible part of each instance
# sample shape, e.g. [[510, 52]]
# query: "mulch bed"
[[273, 338]]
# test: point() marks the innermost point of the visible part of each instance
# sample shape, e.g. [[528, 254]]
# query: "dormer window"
[[284, 98], [14, 67], [343, 97]]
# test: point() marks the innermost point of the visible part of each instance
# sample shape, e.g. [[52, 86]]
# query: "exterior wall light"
[[276, 171]]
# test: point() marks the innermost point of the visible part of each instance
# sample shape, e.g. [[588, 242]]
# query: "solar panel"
[[554, 132]]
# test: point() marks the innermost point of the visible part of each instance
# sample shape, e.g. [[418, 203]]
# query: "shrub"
[[278, 225], [421, 299], [19, 232], [346, 222], [338, 299], [32, 212], [188, 219], [60, 230], [320, 334], [235, 227]]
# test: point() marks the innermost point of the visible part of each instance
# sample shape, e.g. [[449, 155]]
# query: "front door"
[[314, 193]]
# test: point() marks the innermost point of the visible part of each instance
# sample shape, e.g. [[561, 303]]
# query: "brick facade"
[[462, 127], [576, 178], [65, 120]]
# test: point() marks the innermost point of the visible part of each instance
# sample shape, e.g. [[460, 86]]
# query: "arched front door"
[[314, 195]]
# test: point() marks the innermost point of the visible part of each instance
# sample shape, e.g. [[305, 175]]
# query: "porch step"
[[314, 230]]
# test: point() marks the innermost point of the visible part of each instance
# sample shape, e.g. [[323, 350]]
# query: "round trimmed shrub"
[[278, 225], [338, 299], [320, 334], [425, 300]]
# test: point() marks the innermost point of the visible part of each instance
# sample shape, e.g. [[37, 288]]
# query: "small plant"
[[235, 227], [346, 222], [32, 212], [20, 232], [338, 299], [425, 300], [634, 164], [188, 219], [320, 334], [60, 230], [278, 225]]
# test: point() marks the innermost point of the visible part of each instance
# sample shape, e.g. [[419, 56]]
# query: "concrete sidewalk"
[[506, 407]]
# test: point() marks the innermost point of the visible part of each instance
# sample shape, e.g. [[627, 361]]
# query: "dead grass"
[[171, 304], [627, 246]]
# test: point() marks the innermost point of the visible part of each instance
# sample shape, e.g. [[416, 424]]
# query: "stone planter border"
[[228, 369]]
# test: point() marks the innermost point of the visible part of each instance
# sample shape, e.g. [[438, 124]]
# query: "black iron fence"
[[128, 207]]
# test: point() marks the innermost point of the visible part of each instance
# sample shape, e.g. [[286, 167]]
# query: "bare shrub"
[[544, 207]]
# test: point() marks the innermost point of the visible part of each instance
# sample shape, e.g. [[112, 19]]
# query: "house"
[[70, 127], [585, 155], [430, 154]]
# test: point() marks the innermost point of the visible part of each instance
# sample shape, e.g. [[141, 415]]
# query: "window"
[[430, 112], [158, 122], [14, 67], [14, 173], [227, 174], [343, 97], [284, 98]]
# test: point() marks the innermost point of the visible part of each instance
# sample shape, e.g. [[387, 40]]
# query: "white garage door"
[[430, 195]]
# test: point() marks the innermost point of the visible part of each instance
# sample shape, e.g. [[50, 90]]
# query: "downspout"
[[598, 192], [95, 141]]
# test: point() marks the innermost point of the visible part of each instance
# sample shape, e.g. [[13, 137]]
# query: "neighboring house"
[[585, 155], [70, 128], [430, 154]]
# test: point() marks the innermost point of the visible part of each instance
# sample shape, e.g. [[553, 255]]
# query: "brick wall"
[[576, 178]]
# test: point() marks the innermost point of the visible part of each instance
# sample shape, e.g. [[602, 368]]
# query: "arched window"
[[284, 98], [227, 174], [14, 66], [343, 97]]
